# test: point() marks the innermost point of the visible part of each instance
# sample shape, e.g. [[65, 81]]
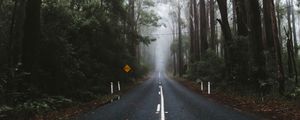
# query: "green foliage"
[[209, 68], [5, 108], [142, 70], [185, 44], [146, 40], [295, 93], [42, 105], [83, 46], [149, 18]]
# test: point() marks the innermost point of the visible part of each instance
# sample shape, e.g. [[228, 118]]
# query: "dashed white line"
[[158, 108], [159, 75], [162, 107]]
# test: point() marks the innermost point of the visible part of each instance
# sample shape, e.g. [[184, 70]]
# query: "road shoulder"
[[71, 112], [274, 109]]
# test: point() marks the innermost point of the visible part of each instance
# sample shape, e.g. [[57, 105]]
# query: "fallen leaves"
[[272, 108]]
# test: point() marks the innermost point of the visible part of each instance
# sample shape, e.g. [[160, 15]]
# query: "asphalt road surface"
[[161, 98]]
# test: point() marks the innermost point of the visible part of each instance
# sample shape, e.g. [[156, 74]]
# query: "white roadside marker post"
[[201, 85], [119, 86], [111, 88], [208, 88]]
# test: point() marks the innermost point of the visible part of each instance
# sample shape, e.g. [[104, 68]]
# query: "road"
[[161, 98]]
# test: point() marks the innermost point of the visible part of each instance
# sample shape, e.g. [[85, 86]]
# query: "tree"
[[132, 29], [234, 15], [31, 35], [192, 31], [196, 31], [241, 17], [257, 59], [291, 7], [212, 25], [180, 50], [279, 17], [203, 27], [291, 47], [273, 40], [227, 37]]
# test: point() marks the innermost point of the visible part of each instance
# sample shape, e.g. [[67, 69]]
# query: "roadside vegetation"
[[56, 54], [246, 49]]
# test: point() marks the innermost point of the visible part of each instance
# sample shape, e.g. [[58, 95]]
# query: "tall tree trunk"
[[291, 50], [132, 31], [196, 27], [16, 35], [294, 28], [227, 37], [180, 52], [11, 42], [203, 28], [242, 32], [279, 22], [241, 14], [257, 59], [234, 15], [295, 52], [19, 32], [273, 40], [192, 33], [31, 35], [212, 25]]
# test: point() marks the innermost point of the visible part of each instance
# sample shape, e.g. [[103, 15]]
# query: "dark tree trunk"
[[294, 28], [257, 59], [196, 32], [132, 36], [227, 37], [203, 28], [273, 43], [234, 16], [279, 22], [16, 35], [212, 25], [242, 32], [180, 52], [11, 42], [31, 35], [292, 50], [192, 33], [241, 18]]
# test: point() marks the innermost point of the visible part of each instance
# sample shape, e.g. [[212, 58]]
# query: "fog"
[[160, 49], [163, 36]]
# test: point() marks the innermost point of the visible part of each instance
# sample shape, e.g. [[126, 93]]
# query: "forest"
[[251, 46], [55, 54]]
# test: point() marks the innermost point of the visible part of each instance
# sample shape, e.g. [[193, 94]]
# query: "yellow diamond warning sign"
[[127, 68]]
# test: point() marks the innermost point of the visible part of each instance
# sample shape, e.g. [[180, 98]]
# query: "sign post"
[[201, 85], [208, 88], [119, 86], [111, 88]]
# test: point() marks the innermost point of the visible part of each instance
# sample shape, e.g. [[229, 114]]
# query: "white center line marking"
[[159, 75], [158, 108], [162, 107]]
